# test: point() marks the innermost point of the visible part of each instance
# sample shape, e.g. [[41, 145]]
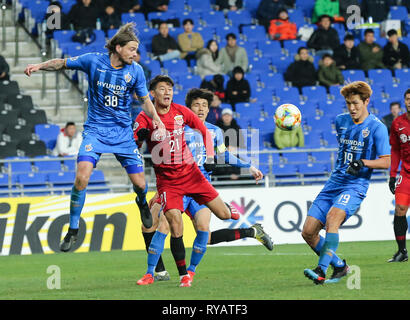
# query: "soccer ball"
[[287, 117]]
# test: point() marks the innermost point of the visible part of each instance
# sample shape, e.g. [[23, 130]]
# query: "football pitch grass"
[[225, 273]]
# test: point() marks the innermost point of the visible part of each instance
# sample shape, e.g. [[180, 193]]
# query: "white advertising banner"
[[282, 212]]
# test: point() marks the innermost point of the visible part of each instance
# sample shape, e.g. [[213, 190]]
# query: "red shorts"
[[402, 194], [194, 185]]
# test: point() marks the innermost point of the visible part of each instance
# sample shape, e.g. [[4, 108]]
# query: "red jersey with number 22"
[[171, 156]]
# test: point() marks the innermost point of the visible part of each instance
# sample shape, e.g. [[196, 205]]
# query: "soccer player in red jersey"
[[175, 169], [400, 151]]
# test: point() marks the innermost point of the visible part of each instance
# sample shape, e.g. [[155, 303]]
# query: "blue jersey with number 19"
[[366, 140], [110, 89]]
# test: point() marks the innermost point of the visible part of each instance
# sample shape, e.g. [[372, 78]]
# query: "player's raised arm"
[[50, 65]]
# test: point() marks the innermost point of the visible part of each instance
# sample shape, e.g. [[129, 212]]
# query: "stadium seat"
[[32, 148], [199, 5], [207, 33], [263, 96], [380, 76], [297, 16], [97, 176], [59, 179], [188, 81], [281, 63], [222, 32], [285, 170], [17, 133], [161, 16], [34, 116], [251, 6], [66, 5], [9, 88], [287, 95], [254, 33], [69, 165], [292, 46], [212, 18], [138, 18], [268, 48], [47, 133], [381, 107], [8, 149], [20, 102], [176, 6], [295, 157], [239, 17], [354, 75], [47, 166], [154, 66], [330, 107], [260, 65], [313, 169], [63, 36], [176, 67], [402, 75], [398, 13], [32, 178], [313, 139], [314, 93], [329, 139], [9, 117], [271, 80], [321, 157], [18, 167]]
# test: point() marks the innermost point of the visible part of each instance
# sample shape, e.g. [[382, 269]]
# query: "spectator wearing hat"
[[396, 54], [233, 55], [329, 74], [189, 42], [281, 28], [346, 55], [238, 88], [324, 39], [302, 72], [370, 53], [268, 10]]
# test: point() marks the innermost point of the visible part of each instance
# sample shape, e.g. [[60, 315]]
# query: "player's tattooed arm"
[[50, 65]]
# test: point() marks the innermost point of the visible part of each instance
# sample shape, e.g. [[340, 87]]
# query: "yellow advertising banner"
[[108, 222]]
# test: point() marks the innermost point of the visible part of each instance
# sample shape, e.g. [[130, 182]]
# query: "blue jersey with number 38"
[[366, 140], [110, 89]]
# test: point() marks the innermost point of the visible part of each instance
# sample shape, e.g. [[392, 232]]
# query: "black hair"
[[348, 36], [406, 93], [187, 20], [160, 78], [394, 103], [214, 54], [391, 32], [230, 35], [70, 123], [302, 48], [327, 55], [368, 31], [161, 23], [237, 69], [196, 93]]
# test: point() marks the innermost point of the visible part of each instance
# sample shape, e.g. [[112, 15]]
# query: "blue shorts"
[[116, 140], [345, 197], [191, 207]]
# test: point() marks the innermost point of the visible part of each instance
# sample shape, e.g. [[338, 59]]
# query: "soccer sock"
[[178, 252], [336, 261], [148, 238], [231, 235], [155, 250], [328, 250], [76, 206], [400, 229], [198, 249], [141, 194]]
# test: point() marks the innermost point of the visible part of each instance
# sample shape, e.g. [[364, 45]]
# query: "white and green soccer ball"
[[287, 117]]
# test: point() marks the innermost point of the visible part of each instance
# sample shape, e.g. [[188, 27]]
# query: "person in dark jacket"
[[378, 10], [165, 47], [268, 10], [396, 54], [238, 88], [84, 14], [123, 6], [346, 55], [324, 39], [395, 110], [4, 69], [56, 12], [155, 5], [371, 54], [110, 19], [229, 5], [302, 72]]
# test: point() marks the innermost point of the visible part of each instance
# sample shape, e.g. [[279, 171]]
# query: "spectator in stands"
[[4, 69], [84, 14], [215, 85], [165, 47], [289, 138], [268, 10], [370, 53], [238, 88], [325, 7], [347, 55], [231, 5], [215, 110], [301, 72], [395, 110], [123, 6], [68, 141], [207, 60], [231, 129], [56, 8], [329, 74], [281, 28], [155, 5], [396, 54], [111, 19], [233, 55], [324, 39], [343, 5], [377, 10], [189, 42]]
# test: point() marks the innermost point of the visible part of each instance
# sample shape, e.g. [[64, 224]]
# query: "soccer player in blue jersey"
[[363, 146], [198, 100], [113, 78]]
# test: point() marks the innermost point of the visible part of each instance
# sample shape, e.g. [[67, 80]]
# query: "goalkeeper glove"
[[354, 167], [142, 134], [392, 184], [209, 165]]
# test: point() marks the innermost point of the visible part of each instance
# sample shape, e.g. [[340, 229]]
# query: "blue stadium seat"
[[18, 167], [254, 33], [295, 157], [176, 67], [354, 75], [236, 18], [176, 6], [250, 48], [63, 36], [321, 157], [285, 170], [402, 75], [60, 179], [282, 63], [313, 170], [213, 18], [97, 177], [207, 33], [380, 76], [271, 80], [314, 93], [69, 165], [38, 9], [382, 41], [138, 18], [395, 90], [245, 109], [146, 34], [287, 95], [292, 46], [251, 6], [381, 107], [263, 96], [261, 65], [199, 5], [222, 32], [398, 13], [66, 5], [268, 48], [330, 107], [47, 133], [162, 15], [32, 178], [313, 139], [329, 139], [187, 81], [297, 16], [334, 91], [154, 66], [47, 166]]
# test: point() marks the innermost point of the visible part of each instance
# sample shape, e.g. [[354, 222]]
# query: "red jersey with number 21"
[[171, 156]]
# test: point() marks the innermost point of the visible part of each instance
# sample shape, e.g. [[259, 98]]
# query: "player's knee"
[[401, 210], [307, 236], [81, 181]]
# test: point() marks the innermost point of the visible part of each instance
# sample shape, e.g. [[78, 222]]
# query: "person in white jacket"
[[68, 141], [207, 60]]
